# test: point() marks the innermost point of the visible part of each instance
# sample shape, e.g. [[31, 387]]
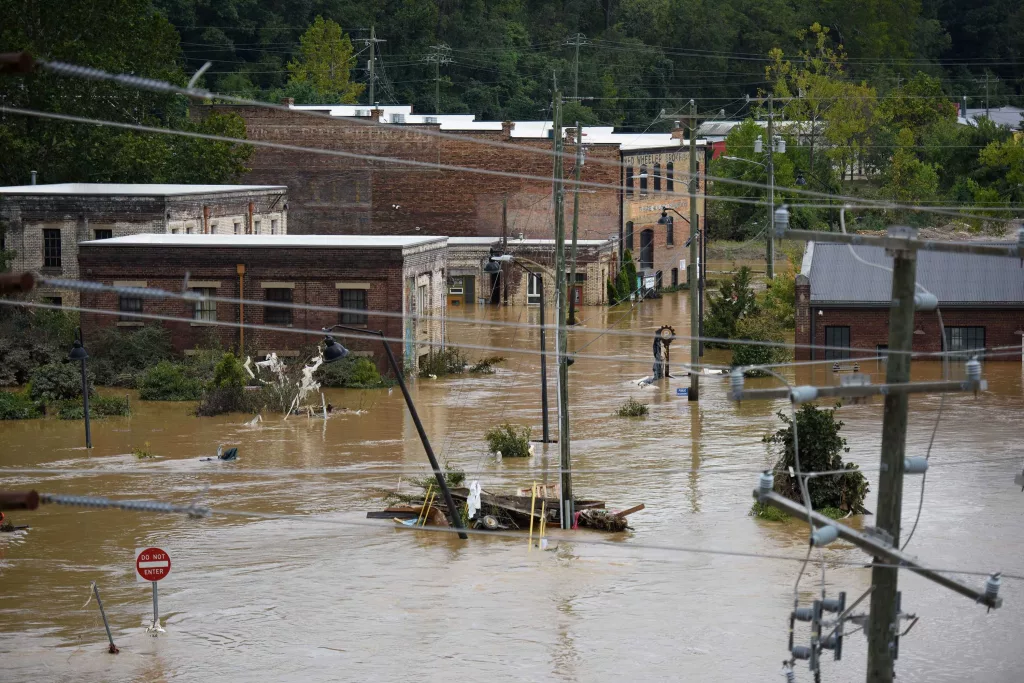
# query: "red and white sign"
[[152, 564]]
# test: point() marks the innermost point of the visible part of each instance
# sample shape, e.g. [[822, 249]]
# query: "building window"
[[657, 177], [629, 235], [188, 231], [659, 281], [354, 298], [277, 315], [643, 181], [238, 227], [256, 224], [175, 231], [422, 300], [675, 277], [101, 234], [273, 227], [54, 300], [647, 249], [532, 289], [51, 248], [129, 305], [456, 285], [965, 340], [580, 277], [205, 310], [670, 232], [670, 177], [837, 339], [629, 181]]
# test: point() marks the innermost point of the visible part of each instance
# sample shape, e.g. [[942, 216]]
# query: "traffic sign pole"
[[152, 565]]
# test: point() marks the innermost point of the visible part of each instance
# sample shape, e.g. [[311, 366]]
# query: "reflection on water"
[[280, 600]]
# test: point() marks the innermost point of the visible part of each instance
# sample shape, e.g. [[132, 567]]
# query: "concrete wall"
[[315, 276]]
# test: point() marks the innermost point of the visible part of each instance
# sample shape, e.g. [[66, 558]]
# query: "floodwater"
[[301, 599]]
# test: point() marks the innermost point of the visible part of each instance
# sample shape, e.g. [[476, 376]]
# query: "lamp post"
[[78, 353], [507, 258], [333, 351], [696, 291]]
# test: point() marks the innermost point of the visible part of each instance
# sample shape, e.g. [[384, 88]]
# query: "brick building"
[[333, 194], [43, 224], [843, 303], [654, 178], [398, 275], [469, 283]]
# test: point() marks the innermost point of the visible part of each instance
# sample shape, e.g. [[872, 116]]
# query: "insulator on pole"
[[781, 220], [803, 394], [973, 369], [925, 301], [766, 483], [992, 586], [788, 672], [801, 652], [822, 536], [803, 613], [915, 465]]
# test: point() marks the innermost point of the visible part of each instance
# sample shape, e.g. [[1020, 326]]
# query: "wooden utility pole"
[[439, 54], [692, 275], [883, 624], [561, 309], [770, 253], [371, 42], [575, 224]]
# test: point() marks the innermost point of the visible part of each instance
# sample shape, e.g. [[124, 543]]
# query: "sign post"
[[151, 565]]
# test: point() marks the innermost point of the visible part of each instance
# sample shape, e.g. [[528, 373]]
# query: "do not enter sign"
[[152, 564]]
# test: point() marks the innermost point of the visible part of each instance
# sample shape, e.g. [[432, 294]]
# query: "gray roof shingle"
[[956, 279]]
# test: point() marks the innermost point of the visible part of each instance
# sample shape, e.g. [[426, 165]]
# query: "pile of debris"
[[492, 512]]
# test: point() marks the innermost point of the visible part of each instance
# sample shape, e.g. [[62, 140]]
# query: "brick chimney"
[[506, 129], [803, 316], [678, 132], [288, 101], [376, 115]]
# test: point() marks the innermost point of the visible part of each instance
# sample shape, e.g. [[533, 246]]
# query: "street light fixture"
[[333, 351], [78, 353], [508, 258]]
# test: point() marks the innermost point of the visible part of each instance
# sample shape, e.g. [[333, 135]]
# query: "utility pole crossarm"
[[876, 547], [809, 393]]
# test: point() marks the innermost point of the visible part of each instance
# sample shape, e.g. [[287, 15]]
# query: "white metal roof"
[[133, 189], [305, 241], [464, 241]]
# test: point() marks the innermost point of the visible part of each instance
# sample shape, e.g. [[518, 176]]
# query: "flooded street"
[[318, 599]]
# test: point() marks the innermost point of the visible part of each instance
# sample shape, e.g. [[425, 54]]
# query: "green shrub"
[[767, 512], [510, 440], [119, 356], [143, 452], [60, 381], [229, 373], [218, 401], [353, 372], [633, 408], [166, 381], [441, 362], [821, 449], [31, 338], [99, 406], [759, 327], [485, 366], [18, 406]]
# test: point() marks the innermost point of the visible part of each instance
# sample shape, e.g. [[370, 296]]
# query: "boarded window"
[[837, 339], [277, 315], [353, 299], [51, 248]]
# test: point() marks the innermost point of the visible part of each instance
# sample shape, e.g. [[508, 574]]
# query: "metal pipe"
[[96, 591], [543, 360]]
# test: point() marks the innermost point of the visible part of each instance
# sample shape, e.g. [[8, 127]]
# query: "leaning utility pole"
[[883, 624], [770, 255], [575, 224], [692, 274], [439, 54], [561, 345]]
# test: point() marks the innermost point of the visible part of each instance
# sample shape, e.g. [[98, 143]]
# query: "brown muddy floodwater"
[[285, 600]]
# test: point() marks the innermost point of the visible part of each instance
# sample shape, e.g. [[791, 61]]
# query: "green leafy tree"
[[908, 179], [229, 373], [734, 301], [59, 381], [325, 61], [821, 450]]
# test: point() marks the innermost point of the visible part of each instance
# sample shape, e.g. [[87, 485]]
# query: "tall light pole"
[[696, 293], [333, 351], [78, 353], [507, 258]]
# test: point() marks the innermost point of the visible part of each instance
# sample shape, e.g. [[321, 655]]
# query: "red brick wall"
[[314, 272], [337, 195], [870, 327]]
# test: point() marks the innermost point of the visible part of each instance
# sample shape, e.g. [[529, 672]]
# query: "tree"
[[735, 300], [821, 450], [763, 328], [325, 62], [908, 179]]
